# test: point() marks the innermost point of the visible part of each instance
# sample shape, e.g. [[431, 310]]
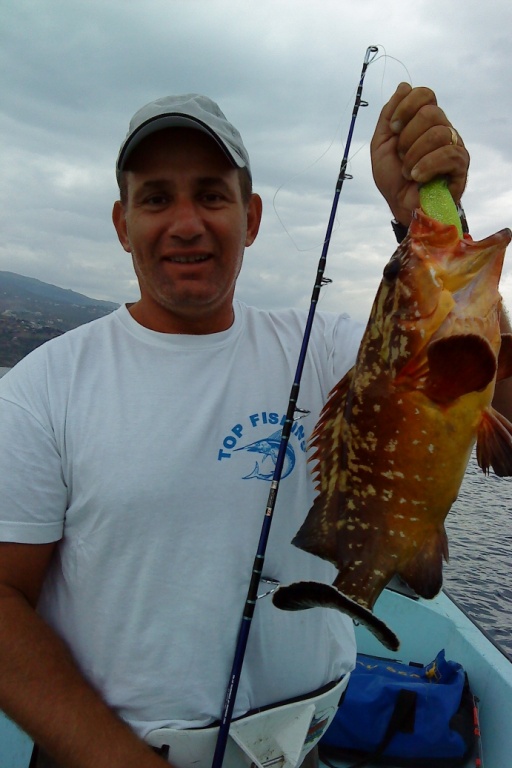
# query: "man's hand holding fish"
[[413, 143]]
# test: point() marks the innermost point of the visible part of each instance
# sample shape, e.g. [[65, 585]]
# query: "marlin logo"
[[269, 448]]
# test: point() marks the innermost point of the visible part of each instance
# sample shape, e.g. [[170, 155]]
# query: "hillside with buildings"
[[32, 312]]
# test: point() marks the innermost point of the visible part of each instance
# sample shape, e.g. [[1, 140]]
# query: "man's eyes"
[[156, 199], [208, 198], [212, 197]]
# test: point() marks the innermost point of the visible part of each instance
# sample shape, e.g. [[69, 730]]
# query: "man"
[[135, 454]]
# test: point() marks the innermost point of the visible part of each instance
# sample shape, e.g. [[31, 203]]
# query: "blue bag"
[[407, 715]]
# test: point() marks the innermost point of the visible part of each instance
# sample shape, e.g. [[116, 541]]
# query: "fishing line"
[[385, 57], [307, 168], [252, 593], [297, 175]]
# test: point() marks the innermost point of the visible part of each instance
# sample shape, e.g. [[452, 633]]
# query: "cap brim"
[[160, 123]]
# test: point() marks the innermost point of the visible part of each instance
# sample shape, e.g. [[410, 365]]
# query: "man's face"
[[186, 225]]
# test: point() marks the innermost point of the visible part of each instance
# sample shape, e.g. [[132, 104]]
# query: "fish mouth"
[[478, 262], [457, 261]]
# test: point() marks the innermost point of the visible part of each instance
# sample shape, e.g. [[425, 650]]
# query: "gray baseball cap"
[[190, 110]]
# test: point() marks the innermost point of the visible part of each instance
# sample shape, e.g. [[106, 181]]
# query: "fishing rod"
[[252, 593]]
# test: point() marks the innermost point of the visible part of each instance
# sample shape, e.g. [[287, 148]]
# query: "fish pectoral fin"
[[424, 571], [312, 594], [505, 357], [459, 365], [494, 443]]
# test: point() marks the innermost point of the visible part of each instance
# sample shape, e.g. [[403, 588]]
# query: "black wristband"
[[463, 220], [400, 230]]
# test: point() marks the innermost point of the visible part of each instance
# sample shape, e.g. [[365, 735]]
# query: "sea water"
[[479, 573]]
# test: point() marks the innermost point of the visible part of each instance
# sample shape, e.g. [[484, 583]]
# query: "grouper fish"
[[395, 436]]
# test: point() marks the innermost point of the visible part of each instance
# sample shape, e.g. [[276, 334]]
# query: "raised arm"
[[414, 142]]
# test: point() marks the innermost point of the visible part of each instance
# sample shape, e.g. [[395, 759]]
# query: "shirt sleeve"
[[33, 494]]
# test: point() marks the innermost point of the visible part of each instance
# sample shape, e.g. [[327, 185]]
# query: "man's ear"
[[119, 219], [254, 211]]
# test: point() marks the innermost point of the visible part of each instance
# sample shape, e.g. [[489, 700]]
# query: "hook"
[[275, 584]]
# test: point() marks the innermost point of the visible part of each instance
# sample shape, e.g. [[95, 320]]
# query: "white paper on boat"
[[281, 736]]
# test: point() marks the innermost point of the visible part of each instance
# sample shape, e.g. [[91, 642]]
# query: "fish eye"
[[392, 268]]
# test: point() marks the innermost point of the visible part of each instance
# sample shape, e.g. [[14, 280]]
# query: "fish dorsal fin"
[[317, 533], [494, 444], [505, 357], [321, 439], [459, 365]]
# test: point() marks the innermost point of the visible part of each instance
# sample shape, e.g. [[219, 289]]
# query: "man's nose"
[[186, 221]]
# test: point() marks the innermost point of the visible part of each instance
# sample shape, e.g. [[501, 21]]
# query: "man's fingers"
[[439, 137], [413, 143], [429, 122], [383, 129], [409, 105], [448, 161]]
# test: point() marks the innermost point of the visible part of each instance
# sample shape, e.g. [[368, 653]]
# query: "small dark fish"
[[394, 439]]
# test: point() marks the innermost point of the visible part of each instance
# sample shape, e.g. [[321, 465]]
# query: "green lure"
[[436, 201]]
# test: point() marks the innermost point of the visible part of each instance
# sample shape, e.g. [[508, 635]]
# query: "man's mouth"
[[188, 259]]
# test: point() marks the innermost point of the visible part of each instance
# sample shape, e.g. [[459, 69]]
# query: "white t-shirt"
[[149, 456]]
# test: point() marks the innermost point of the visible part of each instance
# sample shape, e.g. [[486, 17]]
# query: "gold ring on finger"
[[454, 136]]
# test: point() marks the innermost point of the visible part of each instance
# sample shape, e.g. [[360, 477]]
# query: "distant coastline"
[[33, 312]]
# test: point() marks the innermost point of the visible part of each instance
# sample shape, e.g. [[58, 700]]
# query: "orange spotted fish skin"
[[393, 441]]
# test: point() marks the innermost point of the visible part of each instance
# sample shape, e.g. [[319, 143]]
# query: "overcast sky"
[[285, 73]]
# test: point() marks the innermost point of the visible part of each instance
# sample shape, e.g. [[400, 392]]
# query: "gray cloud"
[[285, 72]]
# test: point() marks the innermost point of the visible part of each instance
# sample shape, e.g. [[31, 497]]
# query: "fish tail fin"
[[254, 473], [311, 594]]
